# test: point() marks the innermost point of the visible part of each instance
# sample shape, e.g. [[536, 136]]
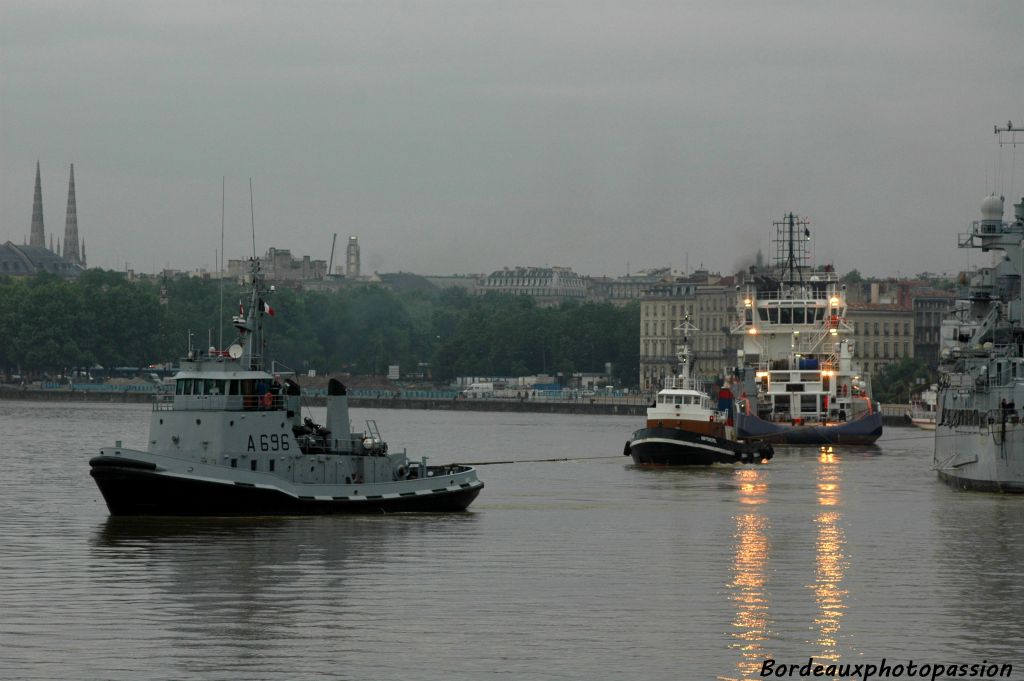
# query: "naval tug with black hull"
[[231, 441], [684, 428]]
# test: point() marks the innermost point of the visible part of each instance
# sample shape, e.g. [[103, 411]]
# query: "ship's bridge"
[[803, 309], [225, 390]]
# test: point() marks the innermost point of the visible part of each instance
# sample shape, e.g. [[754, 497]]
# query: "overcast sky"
[[457, 137]]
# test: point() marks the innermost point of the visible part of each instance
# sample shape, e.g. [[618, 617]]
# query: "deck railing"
[[266, 402]]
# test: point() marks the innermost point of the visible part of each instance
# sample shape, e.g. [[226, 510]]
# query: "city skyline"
[[462, 138], [343, 263]]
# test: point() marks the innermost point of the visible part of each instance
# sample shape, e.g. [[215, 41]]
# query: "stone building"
[[622, 291], [547, 285], [930, 307], [715, 347], [883, 334], [927, 305], [279, 267], [707, 301]]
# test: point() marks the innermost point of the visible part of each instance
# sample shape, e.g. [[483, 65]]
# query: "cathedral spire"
[[38, 237], [71, 225]]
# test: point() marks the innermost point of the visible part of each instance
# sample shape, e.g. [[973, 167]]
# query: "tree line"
[[51, 326]]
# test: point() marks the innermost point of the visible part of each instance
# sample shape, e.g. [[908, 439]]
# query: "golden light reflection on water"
[[748, 586], [830, 559]]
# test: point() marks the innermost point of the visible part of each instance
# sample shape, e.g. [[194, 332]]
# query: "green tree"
[[852, 277], [896, 381], [50, 325]]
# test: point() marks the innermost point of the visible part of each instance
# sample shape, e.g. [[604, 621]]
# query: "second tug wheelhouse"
[[797, 380]]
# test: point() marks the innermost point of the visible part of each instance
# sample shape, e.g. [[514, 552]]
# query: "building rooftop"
[[26, 261]]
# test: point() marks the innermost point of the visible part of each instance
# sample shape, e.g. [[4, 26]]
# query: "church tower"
[[38, 237], [71, 225]]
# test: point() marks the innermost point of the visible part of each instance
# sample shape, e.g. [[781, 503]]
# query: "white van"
[[479, 390]]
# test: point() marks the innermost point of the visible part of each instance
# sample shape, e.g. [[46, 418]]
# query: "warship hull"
[[985, 459], [138, 488], [862, 431], [674, 447]]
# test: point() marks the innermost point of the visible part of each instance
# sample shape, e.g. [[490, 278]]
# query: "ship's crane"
[[330, 265]]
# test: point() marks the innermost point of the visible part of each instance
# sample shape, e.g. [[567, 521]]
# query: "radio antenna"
[[252, 217], [220, 266]]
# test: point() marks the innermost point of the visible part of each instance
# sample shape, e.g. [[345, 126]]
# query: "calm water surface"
[[579, 569]]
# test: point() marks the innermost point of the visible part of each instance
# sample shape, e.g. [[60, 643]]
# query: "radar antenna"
[[792, 238]]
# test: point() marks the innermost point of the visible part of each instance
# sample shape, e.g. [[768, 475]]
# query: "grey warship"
[[231, 441], [979, 434]]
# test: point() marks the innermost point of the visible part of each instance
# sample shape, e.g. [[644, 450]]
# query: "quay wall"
[[892, 414], [540, 406]]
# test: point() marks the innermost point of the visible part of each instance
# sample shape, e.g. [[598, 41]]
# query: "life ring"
[[267, 400]]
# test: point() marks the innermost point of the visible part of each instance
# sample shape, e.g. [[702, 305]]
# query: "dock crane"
[[330, 265]]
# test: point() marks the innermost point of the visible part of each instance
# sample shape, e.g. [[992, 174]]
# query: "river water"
[[589, 568]]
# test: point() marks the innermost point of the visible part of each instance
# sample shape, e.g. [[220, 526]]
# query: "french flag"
[[265, 306]]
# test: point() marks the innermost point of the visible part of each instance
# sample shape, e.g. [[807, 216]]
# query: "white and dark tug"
[[232, 441], [677, 446], [684, 428]]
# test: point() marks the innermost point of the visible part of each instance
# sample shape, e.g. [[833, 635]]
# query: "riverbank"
[[382, 402], [892, 414]]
